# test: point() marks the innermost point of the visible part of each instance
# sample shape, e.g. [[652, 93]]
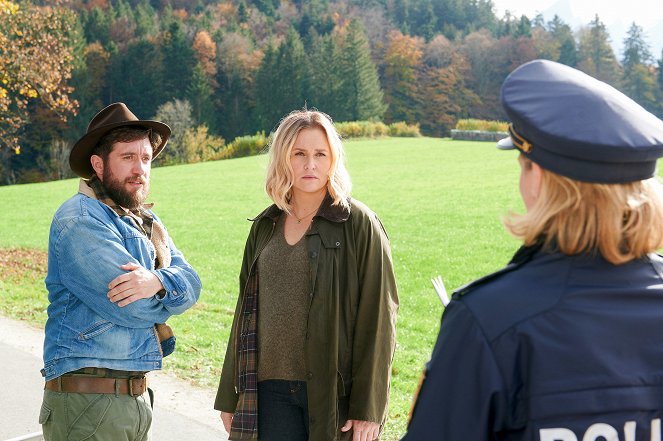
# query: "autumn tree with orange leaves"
[[35, 66]]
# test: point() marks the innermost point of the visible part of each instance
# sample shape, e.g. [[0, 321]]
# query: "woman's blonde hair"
[[280, 177], [620, 221]]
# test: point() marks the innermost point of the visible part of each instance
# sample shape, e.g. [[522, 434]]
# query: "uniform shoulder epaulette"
[[522, 256]]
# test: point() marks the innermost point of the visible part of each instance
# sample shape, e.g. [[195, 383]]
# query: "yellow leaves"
[[7, 7], [35, 64], [29, 92]]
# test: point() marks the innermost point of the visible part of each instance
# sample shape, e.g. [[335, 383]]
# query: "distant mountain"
[[617, 29]]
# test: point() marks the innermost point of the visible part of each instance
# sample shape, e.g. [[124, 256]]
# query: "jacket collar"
[[333, 213]]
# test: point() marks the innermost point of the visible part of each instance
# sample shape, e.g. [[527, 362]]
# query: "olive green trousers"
[[95, 417]]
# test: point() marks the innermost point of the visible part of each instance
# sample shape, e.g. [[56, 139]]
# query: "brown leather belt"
[[95, 385]]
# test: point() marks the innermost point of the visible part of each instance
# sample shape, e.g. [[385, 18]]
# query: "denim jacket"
[[88, 242]]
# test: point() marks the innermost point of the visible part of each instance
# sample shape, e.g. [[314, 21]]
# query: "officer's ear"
[[537, 179]]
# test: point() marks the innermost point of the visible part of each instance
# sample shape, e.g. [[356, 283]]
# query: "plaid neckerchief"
[[143, 220], [245, 421]]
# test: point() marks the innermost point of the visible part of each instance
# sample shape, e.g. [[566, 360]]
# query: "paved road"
[[181, 413]]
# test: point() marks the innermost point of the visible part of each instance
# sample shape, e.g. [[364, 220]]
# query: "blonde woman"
[[310, 350], [564, 343]]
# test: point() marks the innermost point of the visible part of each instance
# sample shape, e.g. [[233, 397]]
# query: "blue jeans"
[[282, 410]]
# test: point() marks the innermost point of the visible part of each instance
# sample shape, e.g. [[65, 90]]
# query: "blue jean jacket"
[[88, 242]]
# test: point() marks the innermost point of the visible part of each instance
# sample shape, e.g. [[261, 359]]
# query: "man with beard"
[[114, 278]]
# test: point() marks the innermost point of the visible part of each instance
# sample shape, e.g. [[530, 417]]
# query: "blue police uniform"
[[556, 347]]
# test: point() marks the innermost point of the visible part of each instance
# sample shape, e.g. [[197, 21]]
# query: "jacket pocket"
[[94, 330]]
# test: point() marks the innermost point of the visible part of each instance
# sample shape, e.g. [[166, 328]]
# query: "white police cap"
[[579, 127]]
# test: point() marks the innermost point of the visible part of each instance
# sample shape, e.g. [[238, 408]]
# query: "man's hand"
[[362, 430], [138, 283], [227, 419]]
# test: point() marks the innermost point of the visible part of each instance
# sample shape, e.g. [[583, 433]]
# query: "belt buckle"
[[131, 386]]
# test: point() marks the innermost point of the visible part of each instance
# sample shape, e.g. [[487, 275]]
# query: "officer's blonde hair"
[[280, 177], [622, 222]]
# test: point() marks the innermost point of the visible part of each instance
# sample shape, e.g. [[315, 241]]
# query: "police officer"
[[565, 342]]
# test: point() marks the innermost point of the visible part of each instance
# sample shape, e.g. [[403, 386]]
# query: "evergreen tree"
[[595, 54], [199, 95], [423, 19], [561, 32], [636, 49], [659, 82], [96, 25], [360, 88], [282, 83], [146, 19], [639, 80], [325, 78], [524, 28], [401, 14], [139, 88], [268, 109], [178, 63]]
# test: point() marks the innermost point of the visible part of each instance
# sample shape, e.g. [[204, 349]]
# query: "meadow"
[[441, 202]]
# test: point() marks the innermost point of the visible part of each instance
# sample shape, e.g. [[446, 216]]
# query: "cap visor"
[[505, 144]]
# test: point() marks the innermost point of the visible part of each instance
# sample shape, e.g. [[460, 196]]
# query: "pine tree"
[[199, 94], [595, 55], [325, 78], [639, 78], [636, 49], [281, 82], [268, 108], [561, 32], [137, 87], [360, 88], [146, 22], [178, 62]]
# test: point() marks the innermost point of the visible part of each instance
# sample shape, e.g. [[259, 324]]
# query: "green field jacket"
[[351, 329]]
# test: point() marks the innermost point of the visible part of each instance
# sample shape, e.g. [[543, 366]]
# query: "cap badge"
[[520, 142]]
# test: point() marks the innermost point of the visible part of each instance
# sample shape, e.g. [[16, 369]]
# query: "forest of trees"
[[218, 69]]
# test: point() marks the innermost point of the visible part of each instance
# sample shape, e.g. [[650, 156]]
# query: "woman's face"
[[311, 161]]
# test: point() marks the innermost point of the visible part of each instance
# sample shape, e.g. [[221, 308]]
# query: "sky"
[[617, 15]]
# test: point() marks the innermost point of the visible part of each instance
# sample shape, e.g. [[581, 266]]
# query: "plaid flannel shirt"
[[245, 421]]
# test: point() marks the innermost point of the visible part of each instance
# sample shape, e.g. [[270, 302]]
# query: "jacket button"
[[174, 292], [313, 254], [309, 375], [338, 244]]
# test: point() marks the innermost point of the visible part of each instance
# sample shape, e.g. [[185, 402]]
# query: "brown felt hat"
[[109, 118]]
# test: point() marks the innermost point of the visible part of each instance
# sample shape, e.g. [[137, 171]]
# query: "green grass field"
[[441, 202]]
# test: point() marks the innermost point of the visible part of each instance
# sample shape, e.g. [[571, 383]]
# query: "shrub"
[[374, 129], [403, 129], [245, 146], [201, 146], [482, 125]]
